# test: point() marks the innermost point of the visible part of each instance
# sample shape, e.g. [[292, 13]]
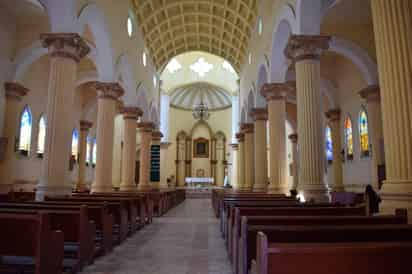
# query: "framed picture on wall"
[[201, 148]]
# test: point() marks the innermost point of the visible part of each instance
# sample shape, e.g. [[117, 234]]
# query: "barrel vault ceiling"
[[173, 27]]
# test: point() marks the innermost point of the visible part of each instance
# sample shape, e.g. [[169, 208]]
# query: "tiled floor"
[[184, 241]]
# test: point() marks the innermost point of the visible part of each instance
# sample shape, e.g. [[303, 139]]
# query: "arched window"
[[41, 136], [364, 133], [349, 138], [329, 148], [75, 144], [144, 59], [260, 25], [89, 150], [25, 131], [129, 26], [94, 153]]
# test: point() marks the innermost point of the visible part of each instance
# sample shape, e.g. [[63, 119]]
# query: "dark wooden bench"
[[118, 208], [336, 258], [245, 242], [79, 233], [28, 244], [98, 213], [323, 234]]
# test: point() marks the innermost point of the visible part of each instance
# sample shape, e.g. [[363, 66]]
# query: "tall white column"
[[84, 132], [235, 168], [334, 122], [392, 21], [260, 116], [66, 50], [241, 162], [275, 94], [14, 94], [130, 116], [145, 131], [248, 130], [107, 104], [305, 51], [164, 116]]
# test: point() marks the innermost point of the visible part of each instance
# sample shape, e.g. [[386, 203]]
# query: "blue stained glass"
[[75, 143], [329, 148], [25, 130], [363, 132]]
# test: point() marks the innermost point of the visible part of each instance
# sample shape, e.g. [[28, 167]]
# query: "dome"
[[186, 97]]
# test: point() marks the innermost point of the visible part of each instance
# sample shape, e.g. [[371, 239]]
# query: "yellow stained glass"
[[363, 132], [349, 137]]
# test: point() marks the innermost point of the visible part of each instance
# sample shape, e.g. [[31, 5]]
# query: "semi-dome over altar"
[[188, 96]]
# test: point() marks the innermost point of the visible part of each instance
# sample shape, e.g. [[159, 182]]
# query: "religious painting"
[[201, 148]]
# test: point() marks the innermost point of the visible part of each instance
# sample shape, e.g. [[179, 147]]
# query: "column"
[[305, 51], [220, 160], [333, 116], [85, 126], [66, 50], [275, 94], [241, 162], [235, 117], [163, 166], [248, 130], [213, 161], [372, 96], [188, 157], [260, 116], [393, 34], [130, 116], [156, 137], [107, 104], [235, 170], [14, 94], [145, 131], [295, 168]]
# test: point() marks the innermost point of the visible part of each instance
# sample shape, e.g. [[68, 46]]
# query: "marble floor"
[[186, 240]]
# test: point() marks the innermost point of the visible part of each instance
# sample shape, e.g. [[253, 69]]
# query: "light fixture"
[[201, 111]]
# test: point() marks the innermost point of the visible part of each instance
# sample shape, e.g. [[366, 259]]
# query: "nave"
[[185, 240]]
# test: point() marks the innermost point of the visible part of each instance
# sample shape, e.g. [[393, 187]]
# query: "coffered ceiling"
[[220, 27]]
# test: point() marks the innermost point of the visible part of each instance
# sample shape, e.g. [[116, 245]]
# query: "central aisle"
[[186, 240]]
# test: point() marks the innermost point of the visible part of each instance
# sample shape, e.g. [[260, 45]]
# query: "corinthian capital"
[[15, 91], [66, 45], [302, 47], [108, 90], [278, 91]]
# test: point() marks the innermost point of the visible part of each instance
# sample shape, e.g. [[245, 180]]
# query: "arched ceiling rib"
[[220, 27]]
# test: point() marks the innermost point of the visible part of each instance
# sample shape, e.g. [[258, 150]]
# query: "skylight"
[[201, 67], [227, 66], [173, 66]]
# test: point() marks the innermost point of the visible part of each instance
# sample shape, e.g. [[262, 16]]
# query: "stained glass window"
[[349, 138], [364, 133], [94, 153], [41, 136], [329, 148], [75, 143], [129, 26], [89, 150], [25, 131]]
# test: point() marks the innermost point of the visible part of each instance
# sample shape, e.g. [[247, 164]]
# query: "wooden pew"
[[28, 243], [324, 234], [98, 213], [245, 244], [118, 207], [336, 258], [79, 232]]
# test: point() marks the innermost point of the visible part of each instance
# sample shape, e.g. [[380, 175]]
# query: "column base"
[[101, 189], [260, 188], [396, 195], [316, 193], [144, 187], [81, 187], [128, 188], [52, 191], [338, 189], [276, 190]]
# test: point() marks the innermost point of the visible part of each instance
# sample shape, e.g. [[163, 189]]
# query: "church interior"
[[205, 136]]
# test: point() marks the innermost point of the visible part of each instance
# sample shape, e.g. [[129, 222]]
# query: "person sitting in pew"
[[372, 199]]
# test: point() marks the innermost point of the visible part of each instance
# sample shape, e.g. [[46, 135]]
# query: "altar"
[[202, 181]]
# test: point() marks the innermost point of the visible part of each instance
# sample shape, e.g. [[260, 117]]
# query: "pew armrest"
[[253, 268], [261, 254], [56, 248], [91, 238]]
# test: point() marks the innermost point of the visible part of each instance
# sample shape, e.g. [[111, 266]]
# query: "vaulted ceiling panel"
[[220, 27]]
